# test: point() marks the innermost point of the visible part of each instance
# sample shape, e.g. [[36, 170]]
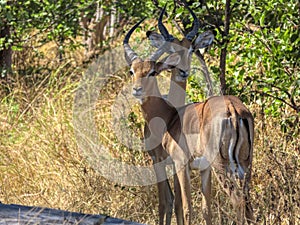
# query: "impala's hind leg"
[[249, 210], [235, 189], [206, 195]]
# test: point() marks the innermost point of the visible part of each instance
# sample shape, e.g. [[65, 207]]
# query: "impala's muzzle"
[[183, 74], [137, 91]]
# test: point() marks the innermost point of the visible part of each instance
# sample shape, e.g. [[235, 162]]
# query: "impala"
[[215, 135], [176, 97], [186, 46]]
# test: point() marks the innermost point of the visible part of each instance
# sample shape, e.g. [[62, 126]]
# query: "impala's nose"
[[137, 91], [184, 74]]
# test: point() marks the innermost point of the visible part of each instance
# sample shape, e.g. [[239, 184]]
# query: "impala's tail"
[[240, 143]]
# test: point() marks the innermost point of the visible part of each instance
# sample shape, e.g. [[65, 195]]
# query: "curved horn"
[[130, 55], [196, 25], [162, 29]]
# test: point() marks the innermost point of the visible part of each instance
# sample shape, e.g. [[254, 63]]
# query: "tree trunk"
[[5, 52], [224, 48], [94, 30], [113, 20]]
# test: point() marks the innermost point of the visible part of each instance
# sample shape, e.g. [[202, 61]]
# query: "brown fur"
[[198, 130], [216, 134]]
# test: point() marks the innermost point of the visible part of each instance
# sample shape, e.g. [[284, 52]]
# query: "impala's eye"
[[131, 72]]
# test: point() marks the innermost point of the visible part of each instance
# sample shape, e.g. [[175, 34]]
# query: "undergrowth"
[[41, 164]]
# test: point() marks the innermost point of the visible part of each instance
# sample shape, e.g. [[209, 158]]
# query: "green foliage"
[[264, 53], [195, 91], [138, 9], [57, 20]]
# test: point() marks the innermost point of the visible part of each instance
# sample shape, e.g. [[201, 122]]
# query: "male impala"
[[187, 46], [215, 134], [176, 98]]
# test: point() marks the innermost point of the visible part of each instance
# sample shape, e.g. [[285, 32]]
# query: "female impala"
[[215, 134]]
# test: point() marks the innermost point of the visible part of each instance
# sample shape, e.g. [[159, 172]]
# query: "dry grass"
[[41, 165]]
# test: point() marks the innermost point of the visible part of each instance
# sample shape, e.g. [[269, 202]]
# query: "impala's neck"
[[177, 91], [157, 112]]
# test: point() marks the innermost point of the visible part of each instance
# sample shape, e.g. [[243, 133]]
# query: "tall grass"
[[41, 165]]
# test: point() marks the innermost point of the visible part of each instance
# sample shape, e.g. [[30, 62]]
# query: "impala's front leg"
[[183, 175], [165, 194], [178, 202]]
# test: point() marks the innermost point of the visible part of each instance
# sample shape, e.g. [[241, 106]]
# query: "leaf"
[[262, 20]]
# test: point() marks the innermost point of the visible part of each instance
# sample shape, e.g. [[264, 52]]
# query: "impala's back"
[[220, 129]]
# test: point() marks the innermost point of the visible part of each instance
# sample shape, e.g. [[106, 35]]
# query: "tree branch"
[[295, 107], [213, 15], [224, 48]]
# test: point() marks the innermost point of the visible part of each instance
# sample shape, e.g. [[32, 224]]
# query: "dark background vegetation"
[[45, 47]]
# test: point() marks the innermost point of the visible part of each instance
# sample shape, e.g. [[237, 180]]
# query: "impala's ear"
[[156, 39], [204, 40], [169, 63]]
